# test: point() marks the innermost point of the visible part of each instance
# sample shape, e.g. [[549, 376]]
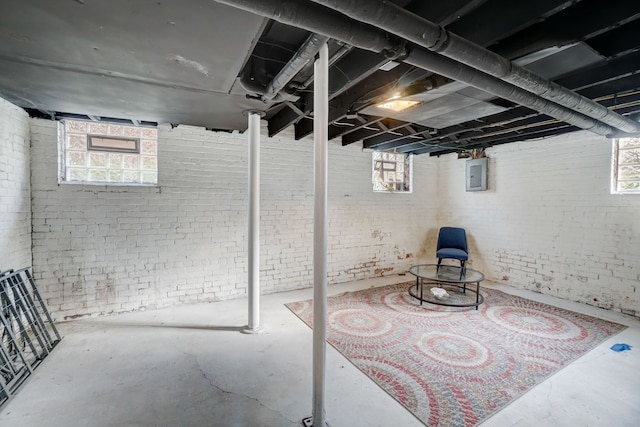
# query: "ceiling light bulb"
[[395, 104]]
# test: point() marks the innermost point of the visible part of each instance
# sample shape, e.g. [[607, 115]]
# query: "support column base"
[[308, 422], [249, 330]]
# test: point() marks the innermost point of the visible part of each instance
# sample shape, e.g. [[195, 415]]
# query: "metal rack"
[[27, 331]]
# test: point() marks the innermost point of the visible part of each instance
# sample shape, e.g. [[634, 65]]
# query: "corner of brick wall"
[[548, 221], [15, 198]]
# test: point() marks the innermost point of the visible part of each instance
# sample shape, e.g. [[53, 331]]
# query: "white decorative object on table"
[[439, 293]]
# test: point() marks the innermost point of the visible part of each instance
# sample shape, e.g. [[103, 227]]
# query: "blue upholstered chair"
[[452, 244]]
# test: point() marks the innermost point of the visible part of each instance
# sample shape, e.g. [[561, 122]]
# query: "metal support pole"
[[254, 222], [320, 132]]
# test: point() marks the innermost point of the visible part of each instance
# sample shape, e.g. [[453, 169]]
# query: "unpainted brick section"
[[15, 200], [100, 250]]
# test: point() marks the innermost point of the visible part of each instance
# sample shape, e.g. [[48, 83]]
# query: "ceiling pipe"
[[259, 89], [306, 53], [344, 49], [403, 23], [286, 92], [460, 72], [318, 19]]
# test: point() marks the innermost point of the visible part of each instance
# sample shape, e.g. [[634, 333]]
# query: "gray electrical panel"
[[477, 174]]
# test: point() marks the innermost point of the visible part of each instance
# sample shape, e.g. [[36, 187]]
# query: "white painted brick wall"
[[100, 249], [549, 222], [15, 200]]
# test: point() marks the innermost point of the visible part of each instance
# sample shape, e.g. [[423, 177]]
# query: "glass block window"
[[626, 166], [392, 172], [107, 153]]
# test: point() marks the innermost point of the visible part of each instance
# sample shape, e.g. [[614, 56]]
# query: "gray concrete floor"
[[189, 366]]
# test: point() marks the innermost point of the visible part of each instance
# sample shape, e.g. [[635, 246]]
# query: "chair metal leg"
[[462, 269]]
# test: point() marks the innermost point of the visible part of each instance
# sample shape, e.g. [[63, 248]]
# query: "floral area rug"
[[455, 366]]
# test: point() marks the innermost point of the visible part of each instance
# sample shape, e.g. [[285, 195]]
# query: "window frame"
[[616, 166], [392, 187], [144, 174]]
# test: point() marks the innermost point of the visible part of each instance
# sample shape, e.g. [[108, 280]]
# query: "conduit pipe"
[[306, 53], [318, 19], [403, 23]]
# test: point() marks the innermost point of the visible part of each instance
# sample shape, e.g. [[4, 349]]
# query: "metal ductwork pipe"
[[252, 86], [318, 19], [342, 51], [403, 23], [454, 70], [306, 53]]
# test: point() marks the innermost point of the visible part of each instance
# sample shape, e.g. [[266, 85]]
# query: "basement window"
[[107, 153], [626, 166], [391, 172]]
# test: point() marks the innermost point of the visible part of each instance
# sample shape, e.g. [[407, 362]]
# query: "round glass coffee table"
[[449, 285]]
